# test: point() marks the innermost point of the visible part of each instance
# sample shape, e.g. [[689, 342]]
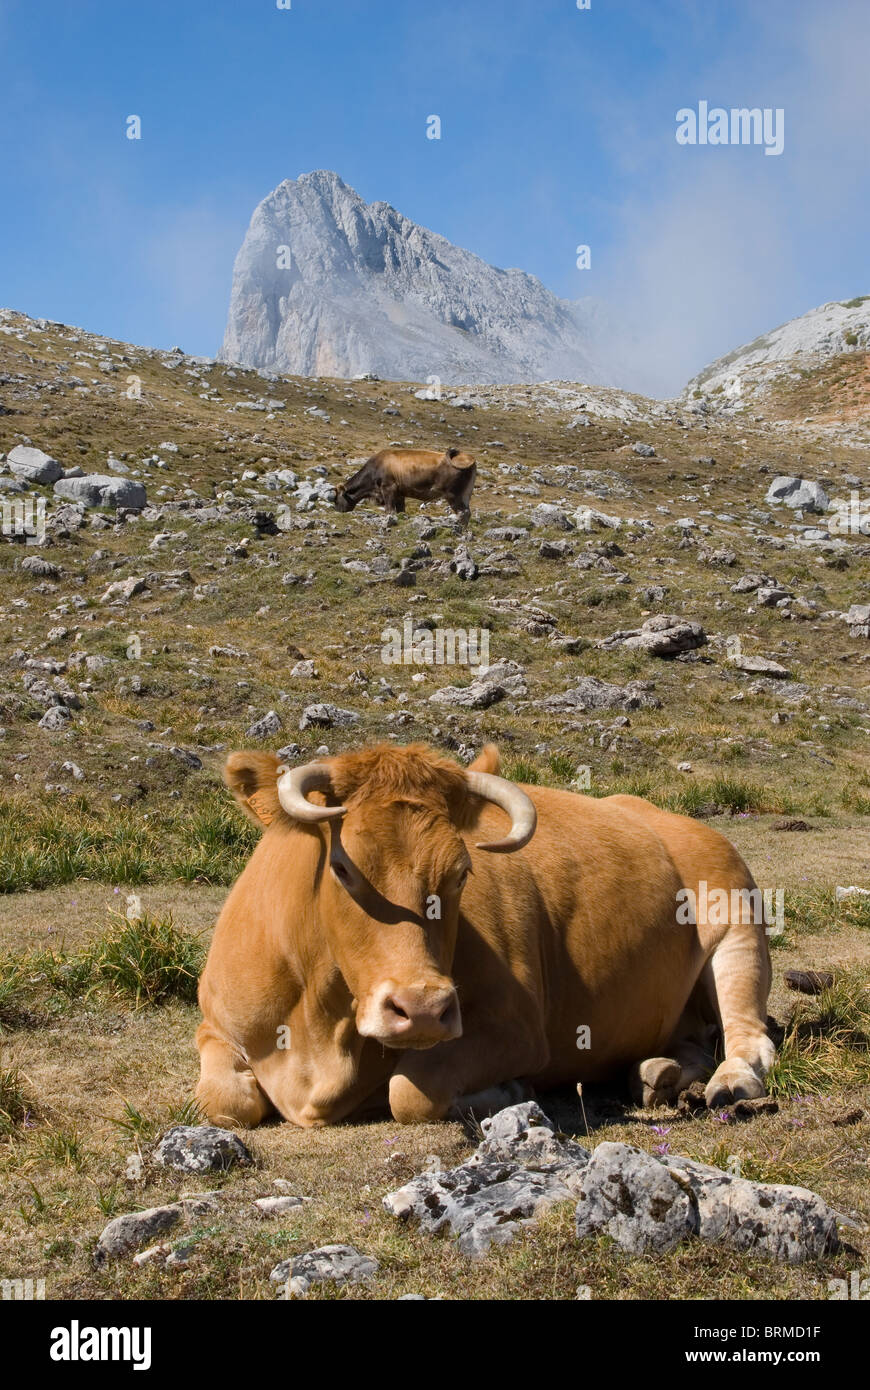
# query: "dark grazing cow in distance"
[[425, 474]]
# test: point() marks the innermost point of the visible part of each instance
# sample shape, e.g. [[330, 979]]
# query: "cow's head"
[[343, 503], [391, 876]]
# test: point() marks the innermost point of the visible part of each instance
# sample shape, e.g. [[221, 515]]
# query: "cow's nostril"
[[392, 1007], [447, 1013]]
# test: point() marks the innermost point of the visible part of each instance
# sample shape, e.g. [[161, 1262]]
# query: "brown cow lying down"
[[413, 933], [394, 474]]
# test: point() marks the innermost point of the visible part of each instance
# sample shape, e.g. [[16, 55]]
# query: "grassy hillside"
[[127, 793]]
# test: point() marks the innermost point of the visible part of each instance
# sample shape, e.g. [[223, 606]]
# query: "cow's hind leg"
[[227, 1090], [738, 977], [655, 1081]]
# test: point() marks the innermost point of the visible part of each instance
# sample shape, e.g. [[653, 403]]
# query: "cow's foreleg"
[[391, 498], [473, 1073], [227, 1090]]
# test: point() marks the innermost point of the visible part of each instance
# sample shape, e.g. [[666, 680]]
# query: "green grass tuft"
[[149, 959], [15, 1104], [827, 1041]]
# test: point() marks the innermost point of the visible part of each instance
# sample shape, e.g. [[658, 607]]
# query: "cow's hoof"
[[734, 1080], [655, 1082]]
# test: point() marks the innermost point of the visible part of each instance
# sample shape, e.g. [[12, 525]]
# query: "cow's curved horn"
[[295, 783], [512, 799]]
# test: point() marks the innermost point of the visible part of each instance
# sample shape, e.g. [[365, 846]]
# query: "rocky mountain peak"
[[327, 284]]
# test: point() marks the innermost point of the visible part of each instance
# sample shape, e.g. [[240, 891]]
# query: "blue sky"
[[558, 128]]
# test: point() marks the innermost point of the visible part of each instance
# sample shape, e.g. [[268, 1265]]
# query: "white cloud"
[[724, 243]]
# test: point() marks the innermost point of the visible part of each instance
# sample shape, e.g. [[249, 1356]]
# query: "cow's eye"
[[341, 873]]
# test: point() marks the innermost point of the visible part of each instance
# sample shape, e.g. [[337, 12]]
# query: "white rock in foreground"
[[647, 1205]]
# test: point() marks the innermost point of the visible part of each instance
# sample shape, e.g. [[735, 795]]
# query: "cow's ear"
[[487, 760], [252, 778], [452, 453]]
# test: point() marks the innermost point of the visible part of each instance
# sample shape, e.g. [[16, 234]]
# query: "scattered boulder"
[[852, 892], [277, 1206], [463, 565], [65, 519], [55, 718], [326, 716], [337, 1264], [663, 635], [591, 693], [788, 1224], [546, 514], [125, 1233], [30, 465], [491, 684], [798, 493], [760, 666], [858, 618], [524, 1134], [769, 595], [190, 760], [101, 490], [748, 583], [267, 726], [506, 533], [555, 550], [123, 590], [200, 1149], [234, 653], [40, 568]]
